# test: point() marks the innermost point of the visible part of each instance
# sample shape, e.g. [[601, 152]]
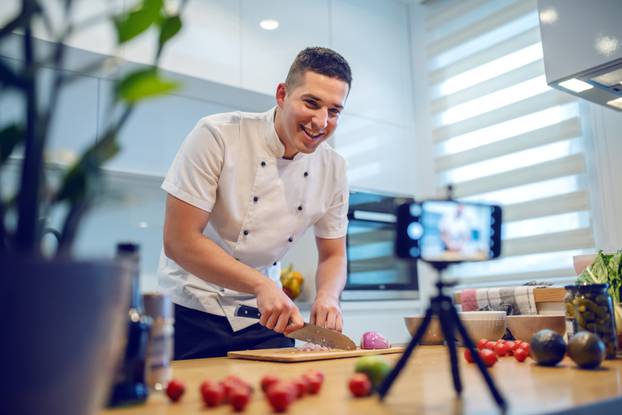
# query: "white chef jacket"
[[232, 166]]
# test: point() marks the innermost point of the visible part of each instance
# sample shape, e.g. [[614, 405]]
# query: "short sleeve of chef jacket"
[[193, 175], [334, 223]]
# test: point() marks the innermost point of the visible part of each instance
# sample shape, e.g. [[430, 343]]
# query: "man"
[[242, 189]]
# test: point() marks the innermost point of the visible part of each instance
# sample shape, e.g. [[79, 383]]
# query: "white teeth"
[[310, 134]]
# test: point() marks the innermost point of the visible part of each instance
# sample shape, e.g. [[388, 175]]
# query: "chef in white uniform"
[[240, 192]]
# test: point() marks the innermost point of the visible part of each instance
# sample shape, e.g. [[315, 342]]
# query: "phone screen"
[[449, 231]]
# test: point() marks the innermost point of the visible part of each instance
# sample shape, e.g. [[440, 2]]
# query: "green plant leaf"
[[142, 84], [79, 181], [169, 27], [137, 21], [10, 136]]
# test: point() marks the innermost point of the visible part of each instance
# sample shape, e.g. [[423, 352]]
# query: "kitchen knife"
[[309, 332]]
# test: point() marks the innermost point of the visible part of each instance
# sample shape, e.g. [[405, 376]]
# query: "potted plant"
[[66, 318]]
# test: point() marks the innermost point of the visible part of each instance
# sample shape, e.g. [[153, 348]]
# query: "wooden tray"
[[291, 354]]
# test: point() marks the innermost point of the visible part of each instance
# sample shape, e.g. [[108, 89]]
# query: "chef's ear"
[[281, 93]]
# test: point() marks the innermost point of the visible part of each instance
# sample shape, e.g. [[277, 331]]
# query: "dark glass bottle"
[[129, 386]]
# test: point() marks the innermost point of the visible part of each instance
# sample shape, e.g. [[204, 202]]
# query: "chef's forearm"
[[331, 276], [208, 261]]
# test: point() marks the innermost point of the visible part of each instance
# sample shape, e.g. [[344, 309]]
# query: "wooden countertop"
[[424, 387]]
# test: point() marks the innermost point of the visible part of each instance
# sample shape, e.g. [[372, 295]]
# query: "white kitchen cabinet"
[[266, 55], [373, 36], [156, 129], [207, 47], [74, 124]]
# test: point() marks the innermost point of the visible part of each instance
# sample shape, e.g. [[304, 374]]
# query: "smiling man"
[[241, 191]]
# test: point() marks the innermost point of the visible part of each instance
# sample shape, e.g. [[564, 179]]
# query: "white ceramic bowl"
[[525, 326], [479, 324], [489, 325]]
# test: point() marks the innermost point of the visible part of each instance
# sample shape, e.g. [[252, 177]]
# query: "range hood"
[[582, 46]]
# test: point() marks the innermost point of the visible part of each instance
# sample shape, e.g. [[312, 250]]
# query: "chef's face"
[[308, 112]]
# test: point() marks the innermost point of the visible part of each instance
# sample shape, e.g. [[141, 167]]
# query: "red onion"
[[374, 340]]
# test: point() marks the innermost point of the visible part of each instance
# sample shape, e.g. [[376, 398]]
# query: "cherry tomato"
[[280, 397], [317, 373], [511, 345], [213, 393], [267, 381], [468, 356], [300, 386], [481, 344], [488, 356], [175, 389], [501, 349], [240, 396], [490, 345], [314, 384], [520, 354], [359, 385], [526, 347]]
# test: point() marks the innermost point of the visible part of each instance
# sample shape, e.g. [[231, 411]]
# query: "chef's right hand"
[[278, 311]]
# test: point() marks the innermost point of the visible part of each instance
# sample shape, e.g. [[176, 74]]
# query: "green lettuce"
[[606, 269]]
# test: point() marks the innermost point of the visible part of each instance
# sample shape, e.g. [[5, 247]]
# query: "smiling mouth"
[[310, 134]]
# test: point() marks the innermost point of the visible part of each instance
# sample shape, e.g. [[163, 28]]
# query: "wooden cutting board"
[[292, 354]]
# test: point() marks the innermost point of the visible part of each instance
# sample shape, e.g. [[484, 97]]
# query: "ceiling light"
[[616, 103], [575, 85], [269, 24]]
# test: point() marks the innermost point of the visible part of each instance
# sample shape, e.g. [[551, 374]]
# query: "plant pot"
[[66, 328]]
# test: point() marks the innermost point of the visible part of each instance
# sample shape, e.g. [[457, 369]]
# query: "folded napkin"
[[512, 300]]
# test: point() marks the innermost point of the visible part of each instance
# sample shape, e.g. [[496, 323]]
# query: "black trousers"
[[199, 335]]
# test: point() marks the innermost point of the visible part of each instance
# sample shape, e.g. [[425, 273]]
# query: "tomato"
[[239, 398], [317, 373], [280, 397], [501, 349], [314, 384], [267, 381], [359, 385], [301, 386], [481, 344], [175, 389], [526, 347], [520, 354], [212, 393], [511, 345], [468, 356], [490, 345], [488, 356]]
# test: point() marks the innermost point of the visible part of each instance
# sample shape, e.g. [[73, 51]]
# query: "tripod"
[[442, 306]]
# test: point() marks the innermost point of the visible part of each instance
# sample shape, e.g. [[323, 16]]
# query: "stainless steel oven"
[[373, 271]]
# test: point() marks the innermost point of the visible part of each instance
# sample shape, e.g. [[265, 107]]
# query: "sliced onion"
[[374, 340]]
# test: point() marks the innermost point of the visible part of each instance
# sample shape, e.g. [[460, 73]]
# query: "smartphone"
[[448, 231]]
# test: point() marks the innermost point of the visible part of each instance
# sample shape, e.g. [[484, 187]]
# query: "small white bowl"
[[489, 325]]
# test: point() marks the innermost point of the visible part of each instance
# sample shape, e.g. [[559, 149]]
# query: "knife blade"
[[309, 332]]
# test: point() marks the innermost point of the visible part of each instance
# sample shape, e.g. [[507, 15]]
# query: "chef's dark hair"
[[319, 60]]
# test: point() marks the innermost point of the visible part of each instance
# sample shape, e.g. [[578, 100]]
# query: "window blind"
[[501, 135]]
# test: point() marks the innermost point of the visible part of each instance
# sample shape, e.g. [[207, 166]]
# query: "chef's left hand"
[[326, 312]]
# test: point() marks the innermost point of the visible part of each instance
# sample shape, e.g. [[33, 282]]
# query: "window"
[[502, 135]]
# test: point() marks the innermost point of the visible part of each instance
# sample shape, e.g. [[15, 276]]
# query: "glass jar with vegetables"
[[571, 322], [594, 312]]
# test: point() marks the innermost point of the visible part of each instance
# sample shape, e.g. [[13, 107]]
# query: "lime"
[[375, 367]]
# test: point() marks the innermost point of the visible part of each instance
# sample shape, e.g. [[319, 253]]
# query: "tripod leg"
[[388, 381], [447, 324], [478, 360]]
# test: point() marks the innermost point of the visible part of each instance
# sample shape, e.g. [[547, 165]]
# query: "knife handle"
[[247, 311]]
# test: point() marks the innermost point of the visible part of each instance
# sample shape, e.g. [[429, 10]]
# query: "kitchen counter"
[[424, 387]]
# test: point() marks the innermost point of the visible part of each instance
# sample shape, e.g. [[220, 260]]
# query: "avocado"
[[548, 347], [586, 349]]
